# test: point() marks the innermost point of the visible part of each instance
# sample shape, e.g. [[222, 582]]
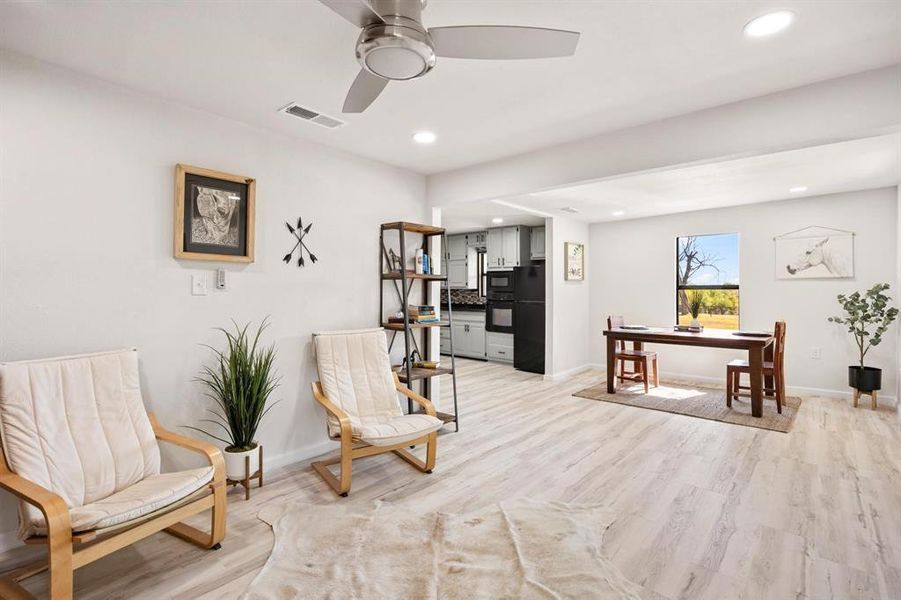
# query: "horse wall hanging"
[[815, 253]]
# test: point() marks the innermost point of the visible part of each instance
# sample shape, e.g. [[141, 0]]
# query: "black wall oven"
[[499, 315]]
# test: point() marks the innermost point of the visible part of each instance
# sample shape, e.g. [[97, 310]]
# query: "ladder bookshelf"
[[403, 282]]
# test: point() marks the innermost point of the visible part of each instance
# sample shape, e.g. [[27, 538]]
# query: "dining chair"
[[774, 370], [640, 359]]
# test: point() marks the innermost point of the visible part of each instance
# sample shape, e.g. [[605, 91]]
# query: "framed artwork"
[[574, 259], [815, 253], [214, 215]]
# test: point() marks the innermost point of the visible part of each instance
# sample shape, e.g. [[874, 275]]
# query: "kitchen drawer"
[[500, 346]]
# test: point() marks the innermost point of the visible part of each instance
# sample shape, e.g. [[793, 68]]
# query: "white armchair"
[[359, 391], [81, 453]]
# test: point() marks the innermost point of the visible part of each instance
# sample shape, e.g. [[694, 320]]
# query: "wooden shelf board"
[[394, 275], [420, 373], [400, 326], [414, 227]]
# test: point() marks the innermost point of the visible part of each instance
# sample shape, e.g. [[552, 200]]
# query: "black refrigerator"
[[528, 319]]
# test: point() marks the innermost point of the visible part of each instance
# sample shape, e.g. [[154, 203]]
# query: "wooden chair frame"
[[644, 363], [773, 373], [352, 448], [63, 559]]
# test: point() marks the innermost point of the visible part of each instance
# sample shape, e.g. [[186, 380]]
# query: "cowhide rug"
[[518, 549]]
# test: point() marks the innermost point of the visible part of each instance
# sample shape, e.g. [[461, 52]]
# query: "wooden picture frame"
[[214, 215], [574, 261]]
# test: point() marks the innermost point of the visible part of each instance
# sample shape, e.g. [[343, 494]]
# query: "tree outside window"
[[709, 265]]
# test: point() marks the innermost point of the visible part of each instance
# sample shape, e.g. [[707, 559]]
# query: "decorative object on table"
[[574, 255], [867, 317], [815, 252], [695, 306], [299, 233], [214, 215], [240, 384], [689, 328], [555, 550]]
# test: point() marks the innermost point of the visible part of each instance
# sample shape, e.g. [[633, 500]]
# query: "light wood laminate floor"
[[705, 509]]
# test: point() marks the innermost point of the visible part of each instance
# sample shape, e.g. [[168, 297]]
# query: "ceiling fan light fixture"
[[395, 51]]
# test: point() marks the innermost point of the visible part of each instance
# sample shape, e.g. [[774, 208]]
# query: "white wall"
[[569, 300], [86, 209], [643, 290]]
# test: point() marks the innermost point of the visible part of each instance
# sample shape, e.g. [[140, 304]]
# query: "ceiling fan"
[[393, 44]]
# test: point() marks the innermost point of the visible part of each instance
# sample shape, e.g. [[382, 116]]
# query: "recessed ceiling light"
[[424, 137], [798, 189], [618, 213], [497, 220], [769, 23]]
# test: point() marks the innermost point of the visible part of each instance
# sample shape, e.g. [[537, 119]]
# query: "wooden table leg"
[[611, 365], [755, 360], [768, 380]]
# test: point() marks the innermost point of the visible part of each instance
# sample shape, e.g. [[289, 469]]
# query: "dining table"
[[758, 345]]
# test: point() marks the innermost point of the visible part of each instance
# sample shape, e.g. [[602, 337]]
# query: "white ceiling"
[[846, 166], [477, 216], [636, 62]]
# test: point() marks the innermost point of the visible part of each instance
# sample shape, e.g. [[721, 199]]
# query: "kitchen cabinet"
[[507, 247], [469, 335], [476, 239], [456, 247], [536, 243]]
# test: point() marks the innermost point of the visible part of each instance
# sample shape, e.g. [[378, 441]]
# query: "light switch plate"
[[198, 285]]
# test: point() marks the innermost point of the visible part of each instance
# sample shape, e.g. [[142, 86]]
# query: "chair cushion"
[[394, 430], [77, 426], [355, 374], [146, 496]]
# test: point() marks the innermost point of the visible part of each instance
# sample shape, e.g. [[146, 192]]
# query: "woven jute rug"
[[517, 549], [704, 402]]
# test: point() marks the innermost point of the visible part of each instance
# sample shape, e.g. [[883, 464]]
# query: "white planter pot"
[[695, 323], [234, 463]]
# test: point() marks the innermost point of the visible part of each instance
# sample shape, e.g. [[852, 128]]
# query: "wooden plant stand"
[[858, 394], [248, 476]]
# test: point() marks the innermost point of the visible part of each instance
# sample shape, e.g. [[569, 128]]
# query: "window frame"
[[723, 286]]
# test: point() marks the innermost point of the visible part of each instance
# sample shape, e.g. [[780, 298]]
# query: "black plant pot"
[[865, 379]]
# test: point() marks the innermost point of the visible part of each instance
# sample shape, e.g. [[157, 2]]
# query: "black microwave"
[[500, 282]]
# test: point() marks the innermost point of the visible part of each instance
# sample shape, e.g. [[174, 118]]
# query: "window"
[[707, 272]]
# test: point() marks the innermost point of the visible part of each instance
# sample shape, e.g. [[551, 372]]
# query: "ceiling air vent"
[[296, 110], [570, 209]]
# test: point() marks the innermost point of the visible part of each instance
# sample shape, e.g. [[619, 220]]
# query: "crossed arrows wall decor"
[[299, 232]]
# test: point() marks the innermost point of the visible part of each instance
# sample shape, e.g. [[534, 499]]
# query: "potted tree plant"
[[695, 306], [240, 384], [867, 317]]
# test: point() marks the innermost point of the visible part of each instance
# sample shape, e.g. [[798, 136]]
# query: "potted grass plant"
[[867, 317], [695, 306], [240, 384]]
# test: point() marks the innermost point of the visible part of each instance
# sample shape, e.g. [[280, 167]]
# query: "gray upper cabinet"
[[508, 247], [476, 239], [536, 245], [456, 247]]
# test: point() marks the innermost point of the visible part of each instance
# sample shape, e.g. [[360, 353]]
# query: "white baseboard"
[[567, 373]]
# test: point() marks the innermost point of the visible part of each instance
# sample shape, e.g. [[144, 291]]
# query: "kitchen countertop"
[[466, 307]]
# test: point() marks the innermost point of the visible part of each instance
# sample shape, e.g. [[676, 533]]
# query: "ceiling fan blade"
[[502, 42], [365, 88], [357, 12]]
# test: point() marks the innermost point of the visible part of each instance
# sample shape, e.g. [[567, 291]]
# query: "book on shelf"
[[426, 364]]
